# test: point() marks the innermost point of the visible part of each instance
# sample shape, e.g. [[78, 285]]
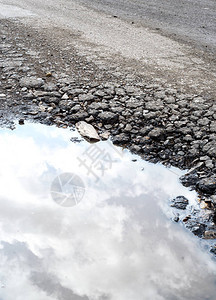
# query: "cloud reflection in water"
[[118, 243]]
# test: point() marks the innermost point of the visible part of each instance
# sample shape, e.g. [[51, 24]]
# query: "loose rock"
[[31, 82], [87, 131], [180, 202]]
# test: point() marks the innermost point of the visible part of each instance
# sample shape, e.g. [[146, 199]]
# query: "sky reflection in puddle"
[[118, 241]]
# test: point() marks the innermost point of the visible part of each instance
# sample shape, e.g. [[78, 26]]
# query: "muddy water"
[[91, 221]]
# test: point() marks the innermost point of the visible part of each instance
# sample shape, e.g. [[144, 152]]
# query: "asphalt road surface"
[[96, 29], [190, 20]]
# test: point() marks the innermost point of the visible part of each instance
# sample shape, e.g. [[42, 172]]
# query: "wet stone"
[[121, 139], [207, 185], [213, 249], [176, 219], [180, 202], [189, 180], [210, 234], [135, 148], [21, 121], [213, 201], [196, 228], [105, 135]]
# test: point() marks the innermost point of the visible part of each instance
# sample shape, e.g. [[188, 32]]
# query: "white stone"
[[105, 135], [87, 131], [65, 97]]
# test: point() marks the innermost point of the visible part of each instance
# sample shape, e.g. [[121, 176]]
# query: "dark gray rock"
[[176, 219], [93, 112], [79, 116], [128, 128], [160, 95], [86, 97], [121, 139], [98, 106], [213, 249], [76, 92], [31, 82], [132, 90], [203, 122], [100, 93], [213, 126], [156, 132], [28, 96], [108, 117], [75, 108], [49, 87], [118, 110], [133, 103], [21, 121], [135, 148], [196, 227], [56, 94], [207, 185], [120, 91], [209, 164], [180, 202]]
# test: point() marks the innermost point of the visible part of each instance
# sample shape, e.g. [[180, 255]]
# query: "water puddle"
[[91, 221]]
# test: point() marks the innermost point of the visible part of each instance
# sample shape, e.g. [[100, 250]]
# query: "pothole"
[[115, 238]]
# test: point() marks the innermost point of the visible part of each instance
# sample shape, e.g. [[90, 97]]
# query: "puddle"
[[11, 11], [84, 221]]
